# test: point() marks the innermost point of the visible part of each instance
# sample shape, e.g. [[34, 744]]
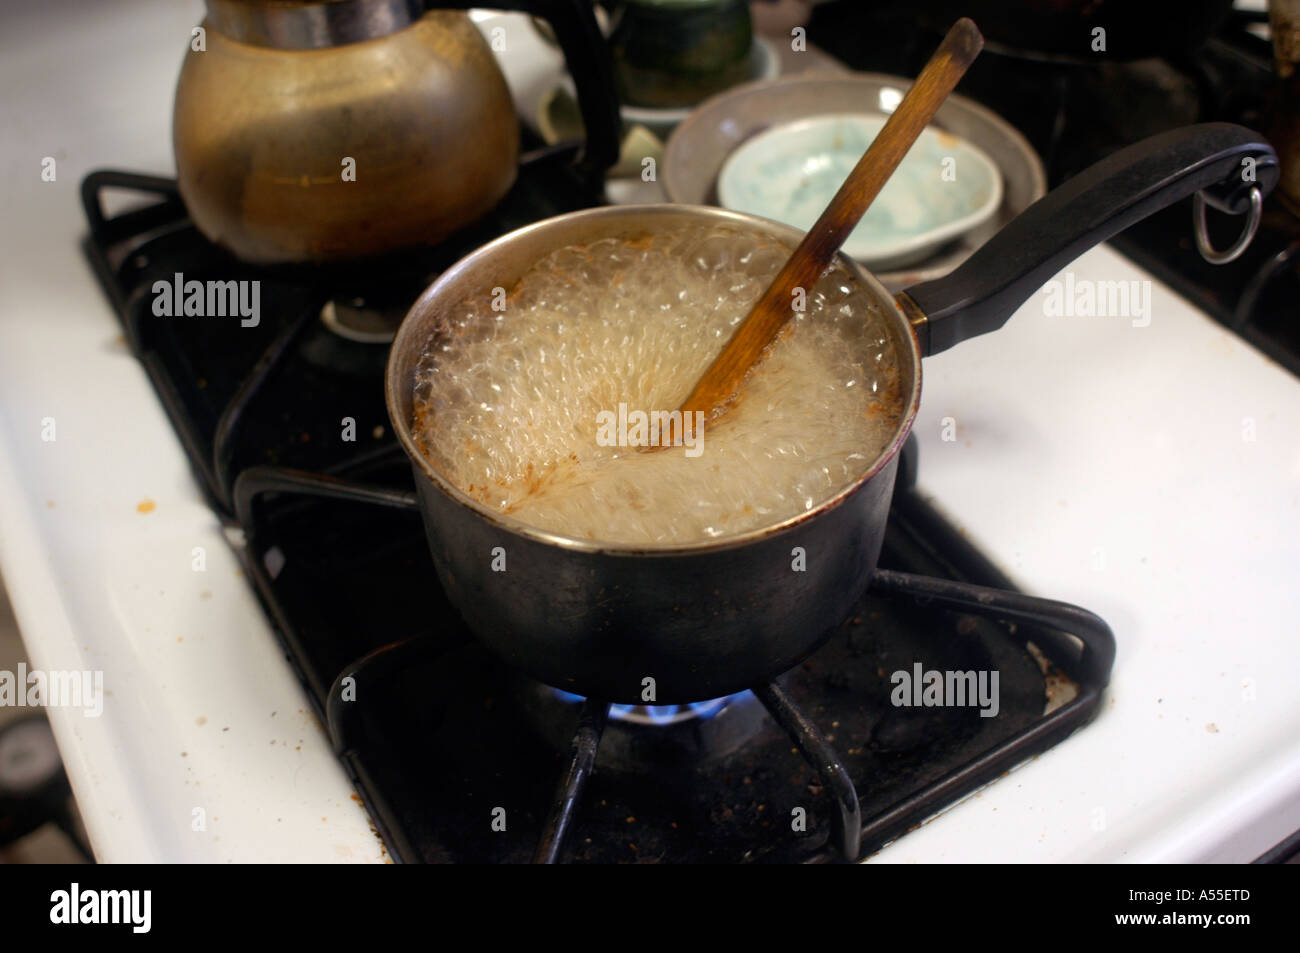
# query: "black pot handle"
[[1222, 161], [587, 55]]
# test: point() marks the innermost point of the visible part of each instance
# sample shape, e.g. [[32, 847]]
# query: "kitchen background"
[[1175, 664]]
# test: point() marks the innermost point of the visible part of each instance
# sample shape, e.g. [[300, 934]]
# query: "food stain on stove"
[[146, 506]]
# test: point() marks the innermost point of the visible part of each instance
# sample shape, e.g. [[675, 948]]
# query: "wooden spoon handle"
[[723, 378]]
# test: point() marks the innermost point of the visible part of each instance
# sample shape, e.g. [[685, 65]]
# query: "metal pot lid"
[[310, 24]]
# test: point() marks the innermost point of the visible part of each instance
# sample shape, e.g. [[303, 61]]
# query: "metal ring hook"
[[1203, 245]]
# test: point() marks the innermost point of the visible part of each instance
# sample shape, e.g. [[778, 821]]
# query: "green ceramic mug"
[[674, 53]]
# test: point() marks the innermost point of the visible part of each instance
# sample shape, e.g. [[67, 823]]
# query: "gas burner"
[[661, 715], [326, 348], [708, 783], [354, 319], [641, 738]]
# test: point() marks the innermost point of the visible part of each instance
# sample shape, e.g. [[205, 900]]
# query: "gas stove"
[[456, 757], [1089, 460]]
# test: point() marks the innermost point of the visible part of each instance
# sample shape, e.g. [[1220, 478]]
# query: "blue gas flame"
[[660, 714]]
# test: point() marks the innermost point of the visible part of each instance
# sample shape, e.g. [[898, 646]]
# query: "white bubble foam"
[[507, 402]]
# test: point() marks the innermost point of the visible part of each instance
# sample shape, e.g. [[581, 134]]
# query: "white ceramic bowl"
[[943, 188]]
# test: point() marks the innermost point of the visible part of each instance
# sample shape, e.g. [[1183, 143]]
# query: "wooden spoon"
[[725, 375]]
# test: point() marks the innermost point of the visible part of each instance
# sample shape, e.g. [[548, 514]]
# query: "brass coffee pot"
[[329, 130]]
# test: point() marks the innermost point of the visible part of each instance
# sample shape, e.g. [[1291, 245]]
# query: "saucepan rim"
[[399, 387]]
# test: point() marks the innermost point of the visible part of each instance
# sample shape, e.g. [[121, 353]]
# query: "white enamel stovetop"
[[1094, 461]]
